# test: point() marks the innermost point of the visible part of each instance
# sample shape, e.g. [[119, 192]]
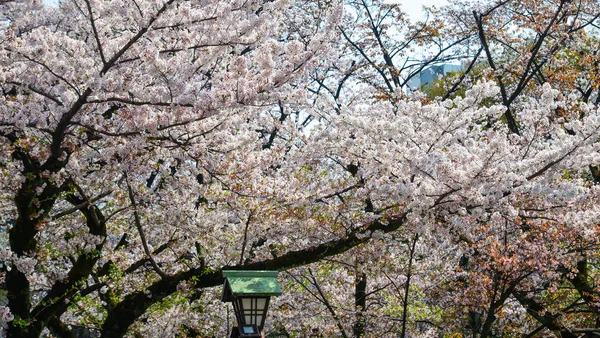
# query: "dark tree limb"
[[547, 320], [138, 225]]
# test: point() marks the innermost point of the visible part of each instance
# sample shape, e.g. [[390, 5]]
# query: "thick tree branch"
[[85, 204], [57, 298], [547, 320]]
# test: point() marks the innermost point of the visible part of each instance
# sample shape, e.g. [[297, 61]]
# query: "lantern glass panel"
[[247, 303], [253, 311], [248, 329]]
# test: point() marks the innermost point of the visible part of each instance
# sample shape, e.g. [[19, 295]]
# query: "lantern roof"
[[249, 283]]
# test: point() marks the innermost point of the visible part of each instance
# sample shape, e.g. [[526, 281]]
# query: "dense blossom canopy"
[[147, 145]]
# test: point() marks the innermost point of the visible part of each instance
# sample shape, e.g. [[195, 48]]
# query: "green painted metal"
[[240, 283]]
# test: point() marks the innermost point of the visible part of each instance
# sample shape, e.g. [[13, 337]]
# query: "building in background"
[[428, 75]]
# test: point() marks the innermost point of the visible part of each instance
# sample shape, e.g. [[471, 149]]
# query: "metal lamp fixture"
[[249, 291]]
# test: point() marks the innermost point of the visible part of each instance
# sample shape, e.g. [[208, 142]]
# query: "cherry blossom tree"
[[148, 145], [524, 85], [129, 133]]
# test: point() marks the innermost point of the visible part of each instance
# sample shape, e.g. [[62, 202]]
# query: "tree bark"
[[360, 302]]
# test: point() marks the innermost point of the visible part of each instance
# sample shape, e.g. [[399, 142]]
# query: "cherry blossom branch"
[[143, 261], [138, 225], [368, 59], [434, 59], [80, 206], [463, 75], [325, 302], [92, 288], [321, 298], [409, 275], [193, 22], [61, 127], [375, 29], [95, 31], [110, 63], [107, 133], [245, 240], [503, 292], [552, 163], [534, 51], [38, 91], [592, 331], [338, 193], [537, 311], [441, 197], [63, 79], [137, 6], [161, 128], [140, 103], [66, 118], [512, 124]]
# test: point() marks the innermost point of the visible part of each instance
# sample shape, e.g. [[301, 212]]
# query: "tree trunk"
[[360, 302]]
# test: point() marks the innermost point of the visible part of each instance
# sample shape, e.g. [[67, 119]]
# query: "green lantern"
[[249, 291]]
